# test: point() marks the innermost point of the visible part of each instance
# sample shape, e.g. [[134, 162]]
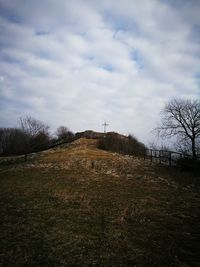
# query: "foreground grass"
[[81, 218]]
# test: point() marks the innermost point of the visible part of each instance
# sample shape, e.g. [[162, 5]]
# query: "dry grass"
[[80, 206]]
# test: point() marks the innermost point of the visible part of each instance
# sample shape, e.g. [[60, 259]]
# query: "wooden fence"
[[169, 158]]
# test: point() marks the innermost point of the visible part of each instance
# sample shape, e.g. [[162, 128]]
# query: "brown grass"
[[80, 206]]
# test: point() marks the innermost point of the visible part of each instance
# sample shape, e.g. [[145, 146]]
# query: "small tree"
[[181, 118], [63, 133], [37, 131]]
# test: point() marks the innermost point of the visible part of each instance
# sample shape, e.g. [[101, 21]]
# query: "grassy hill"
[[77, 205]]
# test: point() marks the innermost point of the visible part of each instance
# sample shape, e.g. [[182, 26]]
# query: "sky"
[[79, 63]]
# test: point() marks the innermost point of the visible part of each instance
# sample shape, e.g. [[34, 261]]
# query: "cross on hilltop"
[[105, 125]]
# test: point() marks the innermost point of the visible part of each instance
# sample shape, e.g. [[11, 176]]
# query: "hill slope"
[[76, 205], [84, 154]]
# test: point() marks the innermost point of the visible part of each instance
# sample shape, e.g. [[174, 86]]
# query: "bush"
[[189, 164], [121, 144], [13, 141], [63, 133], [32, 135]]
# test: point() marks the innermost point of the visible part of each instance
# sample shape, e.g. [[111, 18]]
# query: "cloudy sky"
[[81, 62]]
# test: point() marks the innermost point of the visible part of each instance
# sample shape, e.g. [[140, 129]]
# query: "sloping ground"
[[76, 205], [84, 154]]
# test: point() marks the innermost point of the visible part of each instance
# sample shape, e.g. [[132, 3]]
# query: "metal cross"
[[105, 125]]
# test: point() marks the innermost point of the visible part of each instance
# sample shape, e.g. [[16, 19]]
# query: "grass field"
[[79, 206]]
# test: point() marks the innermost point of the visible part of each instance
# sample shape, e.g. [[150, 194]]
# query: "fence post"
[[144, 154], [170, 158], [151, 155], [160, 156]]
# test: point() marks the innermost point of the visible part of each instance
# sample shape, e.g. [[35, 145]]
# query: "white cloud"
[[82, 62]]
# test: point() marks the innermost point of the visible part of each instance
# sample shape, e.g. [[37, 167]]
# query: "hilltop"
[[97, 135], [89, 134], [78, 205]]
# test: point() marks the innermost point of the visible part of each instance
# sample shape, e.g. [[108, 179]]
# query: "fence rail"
[[170, 158]]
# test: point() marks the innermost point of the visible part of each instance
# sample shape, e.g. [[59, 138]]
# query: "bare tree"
[[181, 118], [63, 133], [32, 135], [32, 126], [12, 141], [37, 131]]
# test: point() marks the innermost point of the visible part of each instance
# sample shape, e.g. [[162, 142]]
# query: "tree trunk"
[[194, 156]]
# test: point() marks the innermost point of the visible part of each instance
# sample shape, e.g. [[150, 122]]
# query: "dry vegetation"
[[77, 205]]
